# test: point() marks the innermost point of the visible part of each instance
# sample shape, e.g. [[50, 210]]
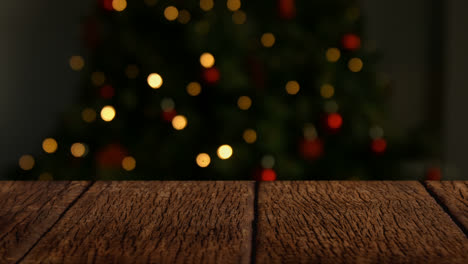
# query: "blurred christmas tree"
[[181, 89]]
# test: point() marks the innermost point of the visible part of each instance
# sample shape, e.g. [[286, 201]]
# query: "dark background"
[[423, 42]]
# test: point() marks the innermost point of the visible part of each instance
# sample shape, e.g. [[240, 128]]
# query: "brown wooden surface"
[[28, 210], [349, 222], [153, 222], [454, 195]]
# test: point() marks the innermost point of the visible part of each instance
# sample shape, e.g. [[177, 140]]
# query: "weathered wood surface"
[[454, 195], [349, 222], [28, 210], [153, 222]]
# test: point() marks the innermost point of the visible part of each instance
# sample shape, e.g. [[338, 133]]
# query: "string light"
[[108, 113], [355, 65], [327, 91], [98, 78], [250, 136], [193, 88], [88, 115], [206, 5], [292, 87], [239, 17], [78, 150], [45, 176], [155, 80], [76, 63], [244, 102], [49, 145], [203, 160], [224, 152], [128, 163], [268, 40], [233, 5], [119, 5], [171, 13], [132, 71], [26, 162], [333, 54], [184, 16], [179, 122], [207, 60]]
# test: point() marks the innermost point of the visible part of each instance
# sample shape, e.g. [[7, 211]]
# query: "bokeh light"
[[224, 152], [250, 136], [88, 115], [310, 132], [292, 87], [108, 113], [333, 54], [268, 161], [268, 40], [239, 17], [49, 145], [334, 121], [179, 122], [76, 63], [155, 80], [331, 106], [206, 5], [376, 132], [207, 60], [244, 102], [379, 145], [26, 162], [233, 5], [184, 16], [355, 65], [78, 150], [119, 5], [167, 104], [193, 88], [171, 13], [46, 176], [132, 71], [128, 163], [327, 91], [203, 160], [98, 78]]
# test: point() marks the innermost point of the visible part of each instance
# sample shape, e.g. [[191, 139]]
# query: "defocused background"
[[423, 46]]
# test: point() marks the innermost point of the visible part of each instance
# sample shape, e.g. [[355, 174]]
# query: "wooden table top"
[[234, 222]]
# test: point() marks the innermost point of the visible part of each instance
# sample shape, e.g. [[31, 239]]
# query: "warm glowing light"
[[88, 115], [45, 176], [78, 150], [224, 152], [268, 161], [244, 102], [268, 40], [193, 88], [355, 65], [184, 16], [334, 121], [268, 175], [310, 133], [233, 5], [203, 160], [239, 17], [167, 104], [207, 60], [132, 71], [179, 122], [108, 113], [250, 136], [333, 54], [98, 78], [292, 87], [379, 145], [49, 145], [155, 80], [76, 63], [119, 5], [128, 163], [206, 5], [327, 91], [171, 13], [26, 162]]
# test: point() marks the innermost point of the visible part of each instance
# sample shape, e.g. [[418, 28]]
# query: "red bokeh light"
[[107, 91], [379, 145], [351, 42], [107, 5], [211, 75], [169, 115], [434, 174], [311, 149], [334, 121], [268, 175]]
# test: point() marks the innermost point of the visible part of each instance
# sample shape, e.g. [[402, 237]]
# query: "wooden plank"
[[28, 210], [154, 222], [454, 195], [354, 222]]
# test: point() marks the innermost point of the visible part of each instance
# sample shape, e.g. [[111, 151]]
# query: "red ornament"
[[351, 42], [433, 174], [107, 5], [111, 155], [334, 121], [287, 9], [107, 91], [211, 75], [379, 145], [268, 175], [169, 115], [311, 149]]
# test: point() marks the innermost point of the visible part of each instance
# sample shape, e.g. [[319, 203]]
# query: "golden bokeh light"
[[179, 122], [310, 132], [171, 13], [184, 16], [333, 54], [78, 150], [49, 145], [327, 91], [76, 63], [98, 78], [250, 136], [244, 102], [45, 176], [355, 65], [26, 162], [239, 17], [155, 80], [108, 113], [203, 160], [128, 163], [119, 5], [193, 88], [207, 60], [233, 5], [206, 5], [224, 152], [268, 40], [88, 115], [292, 87], [132, 71]]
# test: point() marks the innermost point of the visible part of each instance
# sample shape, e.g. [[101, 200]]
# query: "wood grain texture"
[[154, 222], [28, 210], [454, 195], [354, 222]]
